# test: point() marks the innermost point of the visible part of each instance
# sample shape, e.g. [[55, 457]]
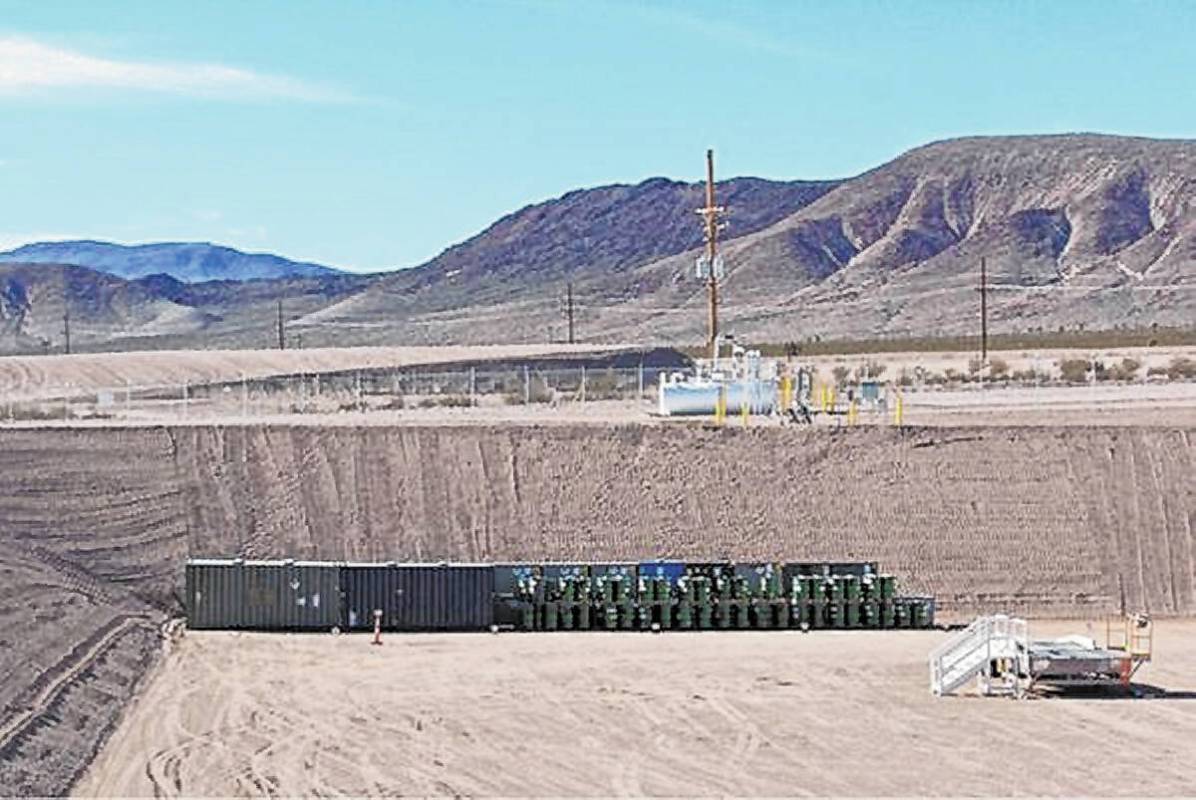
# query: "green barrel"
[[705, 616], [666, 614], [550, 616], [724, 613], [887, 614], [685, 614], [851, 588], [565, 615], [583, 615], [901, 614], [838, 589], [871, 614], [852, 613], [888, 587]]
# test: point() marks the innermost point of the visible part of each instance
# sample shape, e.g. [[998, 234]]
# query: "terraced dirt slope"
[[95, 525]]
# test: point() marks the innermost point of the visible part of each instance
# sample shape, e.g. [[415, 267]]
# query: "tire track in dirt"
[[47, 687]]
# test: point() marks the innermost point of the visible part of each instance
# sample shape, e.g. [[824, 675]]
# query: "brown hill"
[[1077, 231]]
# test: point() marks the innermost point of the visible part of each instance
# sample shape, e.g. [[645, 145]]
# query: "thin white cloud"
[[27, 65]]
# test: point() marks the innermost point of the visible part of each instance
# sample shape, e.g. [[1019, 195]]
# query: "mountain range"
[[1074, 230], [189, 261]]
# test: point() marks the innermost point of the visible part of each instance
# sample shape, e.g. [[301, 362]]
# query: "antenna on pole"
[[282, 342], [710, 265]]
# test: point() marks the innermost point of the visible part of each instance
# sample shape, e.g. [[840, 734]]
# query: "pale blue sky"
[[371, 135]]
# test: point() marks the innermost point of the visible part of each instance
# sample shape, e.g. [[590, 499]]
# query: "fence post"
[[640, 381], [244, 397], [583, 383], [184, 399], [357, 389], [473, 386], [527, 386]]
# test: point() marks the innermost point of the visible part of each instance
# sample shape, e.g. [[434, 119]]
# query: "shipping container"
[[263, 595], [420, 597]]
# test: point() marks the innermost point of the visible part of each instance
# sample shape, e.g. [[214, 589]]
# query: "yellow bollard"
[[852, 414], [899, 410], [720, 406], [743, 412], [830, 398]]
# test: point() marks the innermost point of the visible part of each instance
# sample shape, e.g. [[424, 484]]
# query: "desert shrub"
[[904, 378], [38, 413], [1155, 372], [974, 366], [538, 391], [1074, 370], [933, 379], [998, 368], [1181, 368], [455, 401], [1027, 376], [951, 376], [871, 370], [1125, 370], [840, 374], [602, 386]]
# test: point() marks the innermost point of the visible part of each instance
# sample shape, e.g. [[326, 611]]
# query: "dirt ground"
[[706, 714], [95, 524]]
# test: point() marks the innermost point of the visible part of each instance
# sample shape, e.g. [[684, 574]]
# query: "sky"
[[371, 135]]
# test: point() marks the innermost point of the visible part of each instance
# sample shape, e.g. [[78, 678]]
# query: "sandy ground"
[[95, 525], [836, 713], [1161, 405], [1044, 360], [52, 376]]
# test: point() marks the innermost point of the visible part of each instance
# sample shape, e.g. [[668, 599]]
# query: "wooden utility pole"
[[282, 342], [569, 309], [66, 328], [709, 266], [983, 311]]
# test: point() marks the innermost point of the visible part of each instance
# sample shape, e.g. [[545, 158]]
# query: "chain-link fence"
[[351, 391]]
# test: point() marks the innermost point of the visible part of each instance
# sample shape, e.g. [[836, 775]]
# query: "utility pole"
[[282, 343], [709, 266], [983, 311], [569, 309], [66, 327]]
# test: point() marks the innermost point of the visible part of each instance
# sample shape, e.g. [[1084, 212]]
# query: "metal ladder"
[[992, 648]]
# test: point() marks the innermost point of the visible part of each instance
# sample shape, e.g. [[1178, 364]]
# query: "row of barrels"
[[237, 594]]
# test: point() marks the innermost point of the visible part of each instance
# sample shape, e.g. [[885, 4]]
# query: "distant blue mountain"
[[191, 262]]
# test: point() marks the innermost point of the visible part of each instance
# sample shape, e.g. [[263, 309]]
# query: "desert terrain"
[[1050, 502], [701, 714]]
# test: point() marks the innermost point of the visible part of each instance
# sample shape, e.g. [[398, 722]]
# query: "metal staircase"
[[994, 649]]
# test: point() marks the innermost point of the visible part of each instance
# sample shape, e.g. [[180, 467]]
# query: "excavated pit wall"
[[96, 523]]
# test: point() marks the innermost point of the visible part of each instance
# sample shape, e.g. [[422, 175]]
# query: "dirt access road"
[[744, 713]]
